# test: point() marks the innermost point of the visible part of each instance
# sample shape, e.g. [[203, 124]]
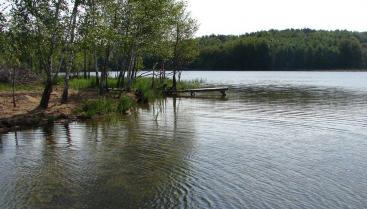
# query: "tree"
[[287, 49], [350, 53], [59, 35], [69, 49], [41, 23], [184, 28]]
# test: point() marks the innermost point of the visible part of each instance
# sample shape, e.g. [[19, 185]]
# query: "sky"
[[241, 16]]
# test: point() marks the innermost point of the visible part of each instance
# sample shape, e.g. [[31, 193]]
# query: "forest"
[[283, 50], [82, 36]]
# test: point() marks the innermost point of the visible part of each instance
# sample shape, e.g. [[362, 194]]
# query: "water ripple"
[[270, 144]]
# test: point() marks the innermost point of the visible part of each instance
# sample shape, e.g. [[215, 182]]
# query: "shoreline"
[[27, 115], [36, 119], [84, 103]]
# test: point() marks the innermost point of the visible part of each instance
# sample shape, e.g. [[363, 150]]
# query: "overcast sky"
[[241, 16]]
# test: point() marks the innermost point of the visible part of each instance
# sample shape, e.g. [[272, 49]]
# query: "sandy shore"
[[26, 114]]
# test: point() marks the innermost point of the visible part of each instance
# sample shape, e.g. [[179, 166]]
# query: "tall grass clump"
[[190, 84], [82, 83], [185, 84], [106, 106], [88, 83], [124, 104], [149, 92], [100, 106]]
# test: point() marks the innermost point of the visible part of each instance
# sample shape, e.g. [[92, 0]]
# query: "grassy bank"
[[105, 106], [84, 99], [143, 90]]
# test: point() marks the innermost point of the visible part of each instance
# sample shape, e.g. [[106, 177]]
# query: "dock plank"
[[203, 90], [222, 90]]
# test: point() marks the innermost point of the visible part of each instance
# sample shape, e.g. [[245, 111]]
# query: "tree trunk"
[[153, 74], [47, 66], [121, 66], [13, 87], [96, 67], [175, 58], [174, 83], [104, 77], [46, 94], [85, 64], [130, 74], [65, 93]]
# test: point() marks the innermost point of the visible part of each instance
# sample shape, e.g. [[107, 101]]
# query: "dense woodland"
[[52, 36], [283, 50]]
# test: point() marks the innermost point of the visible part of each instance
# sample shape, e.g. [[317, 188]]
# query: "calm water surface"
[[279, 140]]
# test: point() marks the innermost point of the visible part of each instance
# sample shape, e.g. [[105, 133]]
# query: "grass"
[[151, 92], [124, 104], [4, 87], [85, 83], [82, 83], [106, 106]]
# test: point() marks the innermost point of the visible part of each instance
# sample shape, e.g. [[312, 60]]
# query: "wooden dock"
[[192, 92]]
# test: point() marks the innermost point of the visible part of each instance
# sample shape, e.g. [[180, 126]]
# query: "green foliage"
[[153, 92], [124, 104], [82, 83], [191, 84], [150, 93], [87, 83], [288, 49], [102, 106], [49, 36], [106, 106], [7, 87]]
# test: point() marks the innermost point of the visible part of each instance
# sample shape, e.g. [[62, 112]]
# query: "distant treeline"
[[283, 50]]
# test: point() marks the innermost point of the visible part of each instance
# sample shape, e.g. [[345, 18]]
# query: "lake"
[[279, 140]]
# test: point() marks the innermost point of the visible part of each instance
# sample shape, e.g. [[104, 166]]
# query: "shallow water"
[[279, 140]]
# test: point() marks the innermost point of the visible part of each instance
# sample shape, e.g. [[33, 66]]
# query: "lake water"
[[279, 140]]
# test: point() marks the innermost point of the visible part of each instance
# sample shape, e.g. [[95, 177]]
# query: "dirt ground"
[[27, 101]]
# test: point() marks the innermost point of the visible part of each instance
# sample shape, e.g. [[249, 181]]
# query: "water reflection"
[[132, 163], [265, 146]]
